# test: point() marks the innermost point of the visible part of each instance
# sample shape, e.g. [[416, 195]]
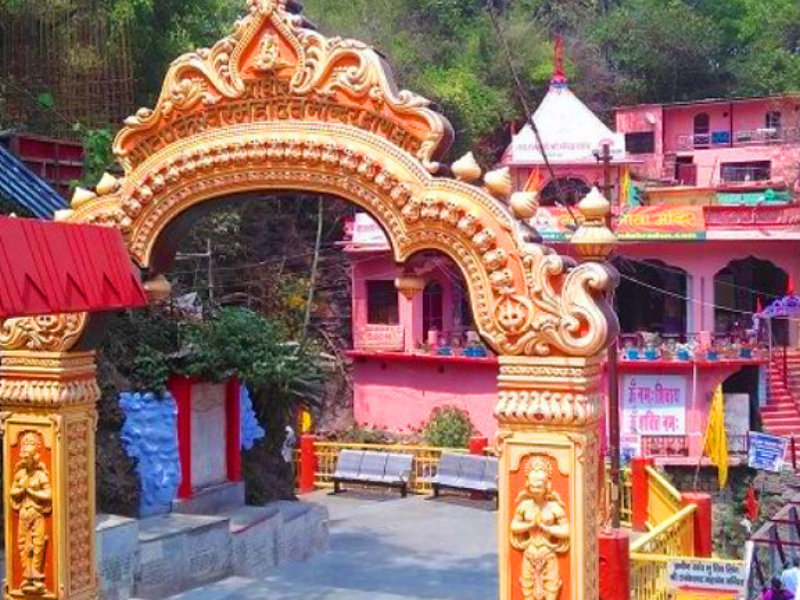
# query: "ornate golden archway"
[[277, 106]]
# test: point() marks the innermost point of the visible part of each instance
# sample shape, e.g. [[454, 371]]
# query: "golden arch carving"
[[277, 106]]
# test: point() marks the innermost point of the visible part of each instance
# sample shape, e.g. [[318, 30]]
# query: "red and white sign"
[[654, 404]]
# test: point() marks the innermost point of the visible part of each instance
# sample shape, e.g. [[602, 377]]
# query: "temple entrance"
[[278, 107]]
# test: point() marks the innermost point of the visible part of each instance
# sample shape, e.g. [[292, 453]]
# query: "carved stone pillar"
[[48, 395], [549, 416]]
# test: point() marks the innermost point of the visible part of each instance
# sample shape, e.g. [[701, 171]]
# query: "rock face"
[[161, 556]]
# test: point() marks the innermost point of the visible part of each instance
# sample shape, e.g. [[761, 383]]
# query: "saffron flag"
[[534, 183], [625, 187], [716, 439]]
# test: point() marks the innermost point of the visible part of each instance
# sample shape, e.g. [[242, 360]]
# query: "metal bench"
[[466, 472], [373, 468]]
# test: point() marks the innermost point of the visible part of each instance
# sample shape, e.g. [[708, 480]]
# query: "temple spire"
[[559, 78]]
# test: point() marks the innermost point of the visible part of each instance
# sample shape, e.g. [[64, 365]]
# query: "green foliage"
[[98, 156], [662, 50], [448, 427]]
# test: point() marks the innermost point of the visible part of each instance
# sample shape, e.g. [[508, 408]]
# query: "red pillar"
[[615, 565], [233, 424], [477, 445], [703, 518], [308, 463], [181, 389], [640, 491]]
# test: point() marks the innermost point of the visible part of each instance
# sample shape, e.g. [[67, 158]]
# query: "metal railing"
[[740, 137], [663, 500], [651, 553], [426, 461], [625, 495], [774, 544]]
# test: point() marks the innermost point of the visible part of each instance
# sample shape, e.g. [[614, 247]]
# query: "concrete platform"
[[385, 548]]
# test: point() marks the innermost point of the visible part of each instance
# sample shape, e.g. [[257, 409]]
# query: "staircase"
[[781, 415]]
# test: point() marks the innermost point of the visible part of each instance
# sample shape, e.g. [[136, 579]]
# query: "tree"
[[662, 50]]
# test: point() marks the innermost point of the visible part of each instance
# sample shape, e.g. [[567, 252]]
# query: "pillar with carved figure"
[[548, 414], [48, 395]]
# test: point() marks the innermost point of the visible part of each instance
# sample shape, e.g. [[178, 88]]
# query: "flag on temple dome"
[[759, 307], [534, 183], [790, 286], [716, 445]]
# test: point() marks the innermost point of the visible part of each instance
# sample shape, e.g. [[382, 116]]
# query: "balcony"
[[740, 138]]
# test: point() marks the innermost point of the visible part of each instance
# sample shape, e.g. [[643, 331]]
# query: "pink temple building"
[[705, 206]]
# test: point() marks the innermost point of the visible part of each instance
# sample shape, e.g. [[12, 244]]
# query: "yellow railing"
[[426, 461], [672, 539], [663, 500], [649, 574], [625, 495]]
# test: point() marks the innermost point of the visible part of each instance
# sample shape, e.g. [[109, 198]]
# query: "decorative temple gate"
[[277, 106]]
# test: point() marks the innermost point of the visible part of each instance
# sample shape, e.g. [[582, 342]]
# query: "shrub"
[[448, 427]]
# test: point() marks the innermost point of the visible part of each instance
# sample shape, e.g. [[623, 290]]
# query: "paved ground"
[[386, 548]]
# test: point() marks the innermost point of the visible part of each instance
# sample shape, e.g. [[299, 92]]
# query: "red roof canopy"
[[48, 267]]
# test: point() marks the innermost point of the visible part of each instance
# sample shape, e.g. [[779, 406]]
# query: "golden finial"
[[81, 196], [524, 204], [467, 168], [108, 184], [593, 240], [498, 182]]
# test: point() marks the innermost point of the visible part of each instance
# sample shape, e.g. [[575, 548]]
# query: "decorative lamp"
[[466, 168], [158, 288], [409, 285], [593, 240]]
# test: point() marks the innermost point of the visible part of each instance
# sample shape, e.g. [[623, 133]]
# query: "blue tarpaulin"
[[18, 184]]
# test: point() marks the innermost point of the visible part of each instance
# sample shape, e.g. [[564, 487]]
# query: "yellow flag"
[[716, 438]]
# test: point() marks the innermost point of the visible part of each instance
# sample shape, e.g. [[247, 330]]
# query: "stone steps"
[[163, 556]]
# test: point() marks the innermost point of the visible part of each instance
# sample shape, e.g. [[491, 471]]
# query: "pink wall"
[[399, 394]]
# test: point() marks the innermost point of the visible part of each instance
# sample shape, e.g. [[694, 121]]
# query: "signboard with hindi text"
[[722, 577], [662, 223], [654, 405], [766, 452]]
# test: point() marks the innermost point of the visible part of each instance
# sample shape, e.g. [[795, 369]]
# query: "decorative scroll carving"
[[31, 499], [546, 408], [49, 333], [540, 530]]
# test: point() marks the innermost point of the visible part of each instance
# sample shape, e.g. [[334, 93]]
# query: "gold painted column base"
[[49, 417], [549, 414]]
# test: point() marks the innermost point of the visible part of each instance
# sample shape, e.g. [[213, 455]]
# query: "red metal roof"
[[48, 267]]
